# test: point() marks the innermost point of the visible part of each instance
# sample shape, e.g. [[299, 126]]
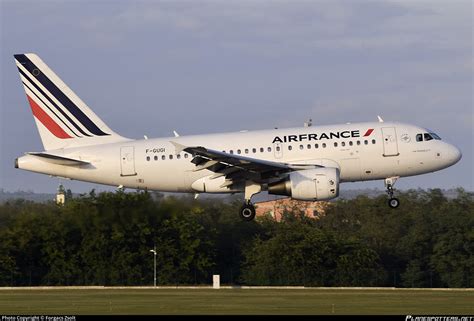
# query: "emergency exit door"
[[127, 161], [390, 145]]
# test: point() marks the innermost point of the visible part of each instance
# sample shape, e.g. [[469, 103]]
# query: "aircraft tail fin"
[[62, 118]]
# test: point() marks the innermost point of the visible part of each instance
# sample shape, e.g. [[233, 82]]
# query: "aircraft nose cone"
[[454, 154]]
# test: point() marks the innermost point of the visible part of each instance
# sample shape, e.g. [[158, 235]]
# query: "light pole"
[[154, 265]]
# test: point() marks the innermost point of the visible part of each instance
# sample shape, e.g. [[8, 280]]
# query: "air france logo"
[[405, 138], [328, 135]]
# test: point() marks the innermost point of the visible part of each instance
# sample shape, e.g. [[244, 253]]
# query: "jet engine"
[[317, 184]]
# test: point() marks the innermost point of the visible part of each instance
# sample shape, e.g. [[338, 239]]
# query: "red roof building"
[[278, 207]]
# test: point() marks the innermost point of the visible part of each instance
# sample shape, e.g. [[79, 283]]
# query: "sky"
[[151, 67]]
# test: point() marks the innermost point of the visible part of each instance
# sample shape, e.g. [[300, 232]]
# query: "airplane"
[[307, 163]]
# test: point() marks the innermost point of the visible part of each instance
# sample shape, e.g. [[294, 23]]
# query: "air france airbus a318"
[[307, 163]]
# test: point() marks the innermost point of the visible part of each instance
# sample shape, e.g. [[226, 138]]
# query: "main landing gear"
[[393, 202], [247, 211]]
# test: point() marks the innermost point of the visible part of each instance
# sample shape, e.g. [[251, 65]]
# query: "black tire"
[[247, 212], [393, 202]]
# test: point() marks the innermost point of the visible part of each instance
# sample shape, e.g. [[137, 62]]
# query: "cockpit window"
[[427, 136]]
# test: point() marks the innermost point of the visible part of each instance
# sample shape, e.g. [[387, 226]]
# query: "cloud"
[[263, 27]]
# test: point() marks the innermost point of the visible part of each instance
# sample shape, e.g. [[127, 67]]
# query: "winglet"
[[178, 147]]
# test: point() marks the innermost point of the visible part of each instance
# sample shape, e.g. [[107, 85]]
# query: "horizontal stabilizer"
[[59, 160]]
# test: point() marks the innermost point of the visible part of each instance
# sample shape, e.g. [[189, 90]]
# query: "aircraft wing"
[[237, 168]]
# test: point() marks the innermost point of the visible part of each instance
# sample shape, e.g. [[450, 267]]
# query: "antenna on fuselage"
[[380, 119], [309, 123]]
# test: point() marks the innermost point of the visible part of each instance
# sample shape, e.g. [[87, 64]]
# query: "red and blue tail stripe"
[[49, 108], [53, 91], [47, 121]]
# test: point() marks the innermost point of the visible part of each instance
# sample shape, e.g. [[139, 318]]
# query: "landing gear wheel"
[[393, 202], [247, 212]]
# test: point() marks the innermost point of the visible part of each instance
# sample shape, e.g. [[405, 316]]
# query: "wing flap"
[[235, 168]]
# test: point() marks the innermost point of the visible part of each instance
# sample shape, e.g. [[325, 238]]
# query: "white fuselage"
[[389, 150]]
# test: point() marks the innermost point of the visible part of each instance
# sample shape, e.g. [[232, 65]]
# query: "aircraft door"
[[127, 161], [390, 145], [278, 150]]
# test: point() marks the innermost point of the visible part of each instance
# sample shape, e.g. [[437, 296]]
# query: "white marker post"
[[216, 281]]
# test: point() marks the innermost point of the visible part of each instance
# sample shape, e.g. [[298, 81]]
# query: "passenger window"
[[373, 141], [316, 146], [301, 146], [428, 137], [148, 158], [239, 151], [156, 157], [290, 147], [358, 142], [231, 151], [178, 156], [350, 143], [262, 150], [324, 145], [335, 144], [185, 155], [309, 146], [343, 144], [254, 150], [246, 151], [419, 137], [171, 156], [277, 148], [366, 142], [269, 149]]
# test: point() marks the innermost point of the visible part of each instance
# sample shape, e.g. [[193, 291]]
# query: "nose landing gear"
[[393, 202]]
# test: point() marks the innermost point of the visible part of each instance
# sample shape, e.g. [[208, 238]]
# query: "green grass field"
[[234, 301]]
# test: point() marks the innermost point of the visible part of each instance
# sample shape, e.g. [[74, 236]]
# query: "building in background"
[[61, 195], [277, 208]]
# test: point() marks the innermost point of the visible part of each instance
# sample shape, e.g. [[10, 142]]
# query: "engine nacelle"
[[317, 184]]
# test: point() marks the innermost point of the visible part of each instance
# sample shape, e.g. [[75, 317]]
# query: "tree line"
[[105, 239]]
